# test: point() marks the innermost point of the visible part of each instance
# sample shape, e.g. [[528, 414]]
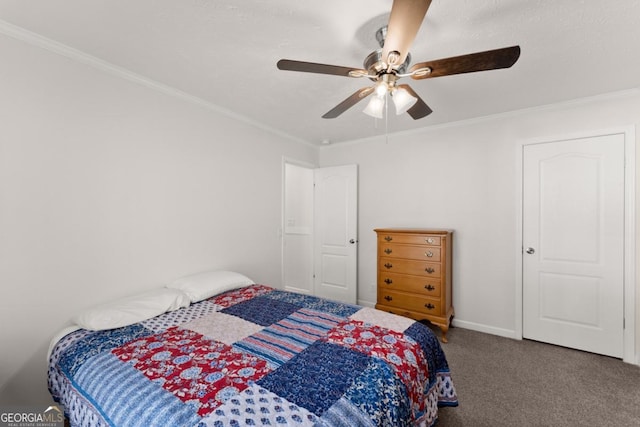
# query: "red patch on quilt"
[[198, 370], [401, 352], [239, 295]]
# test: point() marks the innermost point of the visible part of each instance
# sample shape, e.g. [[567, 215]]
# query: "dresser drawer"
[[431, 254], [411, 239], [426, 286], [409, 301], [407, 266]]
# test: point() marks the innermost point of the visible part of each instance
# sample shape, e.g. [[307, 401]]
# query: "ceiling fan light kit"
[[388, 64], [403, 100], [375, 107]]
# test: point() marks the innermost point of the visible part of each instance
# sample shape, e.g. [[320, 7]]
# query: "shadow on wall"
[[28, 385]]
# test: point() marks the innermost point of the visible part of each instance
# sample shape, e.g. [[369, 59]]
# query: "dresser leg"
[[445, 327], [444, 330]]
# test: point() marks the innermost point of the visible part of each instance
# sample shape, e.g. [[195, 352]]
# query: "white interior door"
[[336, 227], [297, 235], [573, 238]]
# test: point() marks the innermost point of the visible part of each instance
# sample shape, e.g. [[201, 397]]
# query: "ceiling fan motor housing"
[[375, 64]]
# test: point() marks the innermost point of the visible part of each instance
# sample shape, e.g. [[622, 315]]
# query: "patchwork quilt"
[[255, 356]]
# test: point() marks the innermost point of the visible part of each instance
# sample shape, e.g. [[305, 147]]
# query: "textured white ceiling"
[[225, 51]]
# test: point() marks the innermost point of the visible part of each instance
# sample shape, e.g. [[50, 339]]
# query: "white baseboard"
[[507, 333], [463, 324]]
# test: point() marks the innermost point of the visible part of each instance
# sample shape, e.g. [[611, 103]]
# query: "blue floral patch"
[[261, 310], [317, 377], [96, 343], [315, 303], [379, 393]]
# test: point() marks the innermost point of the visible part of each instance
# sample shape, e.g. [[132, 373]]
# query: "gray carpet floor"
[[505, 382]]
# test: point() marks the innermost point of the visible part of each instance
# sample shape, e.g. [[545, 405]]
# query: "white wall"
[[109, 188], [464, 176]]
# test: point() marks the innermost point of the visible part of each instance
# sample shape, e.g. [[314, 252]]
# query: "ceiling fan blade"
[[404, 22], [420, 109], [348, 103], [480, 61], [312, 67]]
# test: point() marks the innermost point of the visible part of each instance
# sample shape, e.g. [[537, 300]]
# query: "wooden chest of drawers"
[[414, 274]]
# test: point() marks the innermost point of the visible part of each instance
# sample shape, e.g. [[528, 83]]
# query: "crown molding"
[[77, 55], [627, 93]]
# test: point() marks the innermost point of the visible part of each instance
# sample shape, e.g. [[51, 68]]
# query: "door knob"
[[352, 241], [531, 251]]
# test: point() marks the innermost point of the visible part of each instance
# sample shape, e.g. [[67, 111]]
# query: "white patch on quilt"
[[259, 407], [446, 389], [223, 327], [382, 318], [178, 317]]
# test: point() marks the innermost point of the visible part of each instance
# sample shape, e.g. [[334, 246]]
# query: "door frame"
[[629, 333], [313, 241], [281, 231]]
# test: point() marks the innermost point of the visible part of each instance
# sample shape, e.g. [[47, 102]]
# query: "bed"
[[253, 355]]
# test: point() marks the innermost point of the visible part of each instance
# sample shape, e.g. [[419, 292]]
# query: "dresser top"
[[414, 230]]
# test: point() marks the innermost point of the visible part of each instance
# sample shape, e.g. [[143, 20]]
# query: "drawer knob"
[[429, 287], [428, 270], [388, 281], [388, 238], [388, 298], [388, 265], [429, 254], [429, 240], [429, 306], [387, 251]]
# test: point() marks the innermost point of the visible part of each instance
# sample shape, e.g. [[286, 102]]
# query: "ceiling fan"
[[387, 65]]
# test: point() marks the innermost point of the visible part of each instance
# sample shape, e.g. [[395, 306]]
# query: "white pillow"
[[209, 283], [133, 309]]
